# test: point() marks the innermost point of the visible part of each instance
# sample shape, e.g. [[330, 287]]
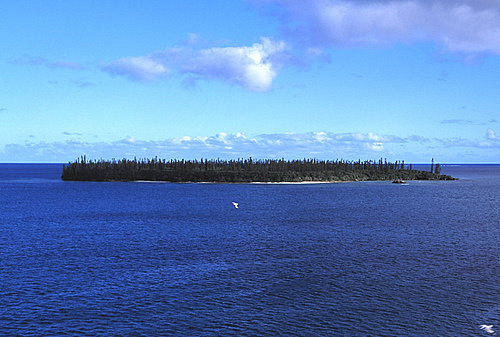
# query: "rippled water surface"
[[160, 259]]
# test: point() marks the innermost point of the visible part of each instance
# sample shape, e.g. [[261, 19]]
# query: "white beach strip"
[[300, 182], [247, 182]]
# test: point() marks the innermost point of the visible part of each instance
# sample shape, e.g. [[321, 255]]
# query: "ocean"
[[164, 259]]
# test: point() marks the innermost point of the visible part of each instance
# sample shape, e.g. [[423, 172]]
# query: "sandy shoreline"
[[250, 182], [302, 182]]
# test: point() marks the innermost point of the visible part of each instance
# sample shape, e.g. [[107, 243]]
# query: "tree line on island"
[[244, 170]]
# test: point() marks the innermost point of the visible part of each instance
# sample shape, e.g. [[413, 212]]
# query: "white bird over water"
[[487, 328], [235, 204]]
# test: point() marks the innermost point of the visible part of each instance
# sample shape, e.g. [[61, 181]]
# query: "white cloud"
[[137, 68], [489, 141], [52, 64], [253, 67], [376, 146], [289, 145], [324, 145], [469, 26], [491, 135], [456, 121]]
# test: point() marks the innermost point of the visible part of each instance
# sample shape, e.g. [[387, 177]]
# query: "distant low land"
[[245, 170]]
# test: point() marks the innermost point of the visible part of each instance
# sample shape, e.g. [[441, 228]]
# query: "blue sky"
[[353, 79]]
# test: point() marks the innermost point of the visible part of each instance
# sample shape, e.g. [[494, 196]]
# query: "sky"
[[329, 79]]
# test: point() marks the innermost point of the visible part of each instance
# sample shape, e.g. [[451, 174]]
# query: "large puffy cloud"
[[470, 26], [253, 67]]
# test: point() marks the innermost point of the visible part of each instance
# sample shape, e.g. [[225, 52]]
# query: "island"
[[245, 170]]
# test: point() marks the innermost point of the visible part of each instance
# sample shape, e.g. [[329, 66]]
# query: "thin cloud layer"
[[137, 68], [288, 145], [324, 145], [253, 67], [468, 26], [41, 61], [490, 141], [457, 121]]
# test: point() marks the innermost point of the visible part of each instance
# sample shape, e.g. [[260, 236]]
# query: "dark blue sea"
[[163, 259]]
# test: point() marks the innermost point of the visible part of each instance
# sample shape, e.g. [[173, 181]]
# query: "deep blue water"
[[161, 259]]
